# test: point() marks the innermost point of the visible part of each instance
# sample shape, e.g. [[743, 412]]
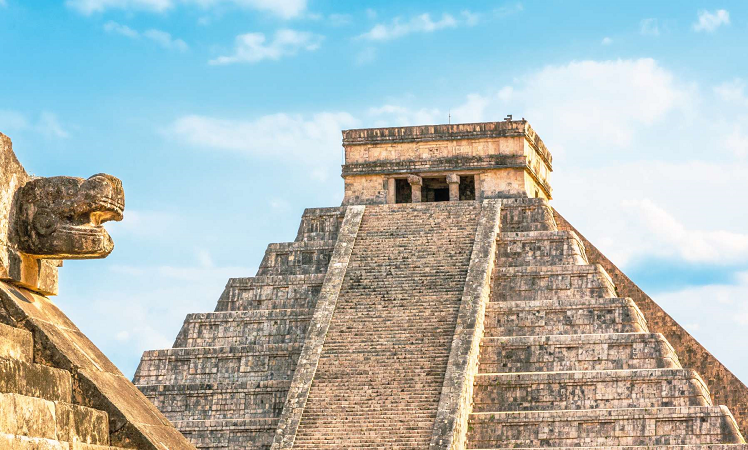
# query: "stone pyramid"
[[57, 390], [444, 305]]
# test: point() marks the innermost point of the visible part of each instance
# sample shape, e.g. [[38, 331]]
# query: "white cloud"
[[606, 41], [284, 8], [311, 140], [371, 13], [732, 91], [649, 27], [165, 40], [94, 6], [605, 101], [48, 125], [508, 9], [12, 121], [707, 246], [710, 21], [252, 47], [124, 30], [418, 24], [162, 38], [470, 17]]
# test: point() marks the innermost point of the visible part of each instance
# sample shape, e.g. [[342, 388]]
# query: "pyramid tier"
[[539, 248], [271, 292], [614, 427], [563, 316], [544, 391], [234, 328]]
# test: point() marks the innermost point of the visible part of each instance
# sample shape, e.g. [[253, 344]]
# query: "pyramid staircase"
[[564, 362], [224, 382], [39, 408], [380, 375]]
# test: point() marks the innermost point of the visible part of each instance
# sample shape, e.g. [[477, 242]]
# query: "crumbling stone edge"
[[724, 387], [301, 383], [450, 427]]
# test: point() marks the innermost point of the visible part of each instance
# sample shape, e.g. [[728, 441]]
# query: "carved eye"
[[44, 223]]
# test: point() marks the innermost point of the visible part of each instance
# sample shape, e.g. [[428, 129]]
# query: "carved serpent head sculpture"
[[61, 217]]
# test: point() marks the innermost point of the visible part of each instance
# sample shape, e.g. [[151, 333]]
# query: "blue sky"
[[223, 119]]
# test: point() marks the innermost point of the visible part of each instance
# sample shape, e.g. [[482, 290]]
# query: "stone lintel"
[[450, 426], [306, 367]]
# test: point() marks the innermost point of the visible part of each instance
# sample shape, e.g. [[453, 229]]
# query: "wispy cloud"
[[292, 138], [48, 125], [606, 41], [252, 47], [649, 27], [162, 38], [508, 9], [283, 8], [710, 21], [422, 23]]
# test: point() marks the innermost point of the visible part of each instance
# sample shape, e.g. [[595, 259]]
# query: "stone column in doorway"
[[453, 180], [391, 191], [415, 185]]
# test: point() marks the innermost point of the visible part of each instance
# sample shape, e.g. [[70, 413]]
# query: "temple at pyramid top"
[[432, 163]]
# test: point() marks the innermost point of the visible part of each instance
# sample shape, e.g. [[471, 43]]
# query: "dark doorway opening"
[[467, 187], [403, 191], [441, 195], [433, 185]]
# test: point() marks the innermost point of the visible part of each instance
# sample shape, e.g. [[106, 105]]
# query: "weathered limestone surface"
[[226, 379], [57, 390]]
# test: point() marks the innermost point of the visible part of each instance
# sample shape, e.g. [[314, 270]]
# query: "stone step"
[[218, 401], [16, 343], [16, 442], [271, 292], [539, 248], [296, 258], [35, 380], [218, 364], [232, 328], [61, 421], [379, 378], [544, 391], [231, 434], [615, 351], [604, 427], [563, 316], [526, 214], [551, 282], [320, 224]]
